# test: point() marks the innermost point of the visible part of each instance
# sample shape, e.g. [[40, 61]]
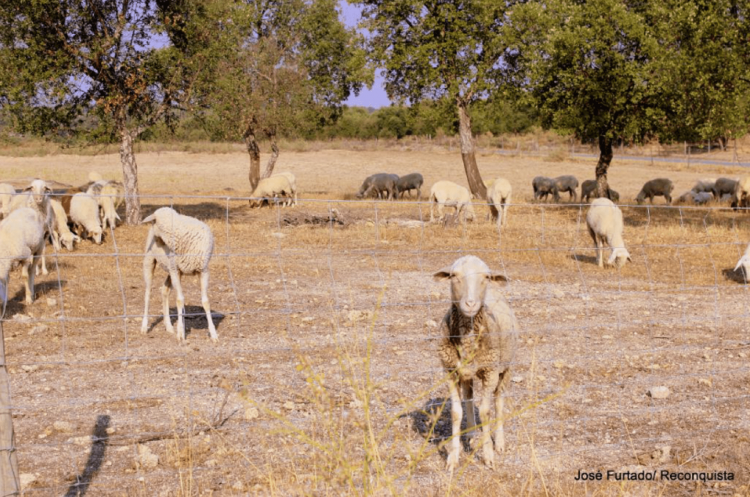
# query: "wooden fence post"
[[9, 481]]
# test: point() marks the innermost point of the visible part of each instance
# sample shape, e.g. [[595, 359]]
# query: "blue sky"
[[375, 97]]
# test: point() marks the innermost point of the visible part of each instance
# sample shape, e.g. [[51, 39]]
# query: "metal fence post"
[[9, 484]]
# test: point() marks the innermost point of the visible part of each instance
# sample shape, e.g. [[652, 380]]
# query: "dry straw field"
[[325, 379]]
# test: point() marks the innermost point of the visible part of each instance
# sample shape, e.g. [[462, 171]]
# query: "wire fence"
[[327, 315]]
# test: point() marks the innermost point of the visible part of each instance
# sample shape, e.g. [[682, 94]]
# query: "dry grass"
[[326, 357]]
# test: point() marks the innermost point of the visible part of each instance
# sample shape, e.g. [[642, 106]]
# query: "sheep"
[[410, 182], [543, 187], [36, 196], [22, 239], [698, 198], [479, 335], [741, 197], [270, 188], [84, 214], [655, 188], [568, 184], [744, 263], [381, 184], [724, 186], [181, 245], [449, 194], [106, 196], [292, 200], [6, 194], [60, 231], [604, 220], [95, 177], [498, 196], [589, 191], [704, 185]]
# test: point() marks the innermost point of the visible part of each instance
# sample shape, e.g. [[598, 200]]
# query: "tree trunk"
[[605, 159], [274, 155], [468, 155], [253, 151], [130, 177]]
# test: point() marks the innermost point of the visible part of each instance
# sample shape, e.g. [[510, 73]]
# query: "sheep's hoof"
[[452, 461]]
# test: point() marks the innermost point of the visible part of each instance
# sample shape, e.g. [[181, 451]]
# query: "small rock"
[[355, 315], [211, 463], [29, 368], [430, 323], [289, 405], [238, 486], [517, 379], [51, 302], [659, 392], [147, 459], [63, 427], [704, 381], [558, 293], [27, 479], [559, 364], [308, 319], [21, 317], [38, 329], [80, 440], [279, 235], [111, 430]]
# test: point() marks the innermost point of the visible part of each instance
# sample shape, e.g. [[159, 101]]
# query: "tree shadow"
[[202, 210], [195, 318], [736, 276], [100, 440], [433, 422]]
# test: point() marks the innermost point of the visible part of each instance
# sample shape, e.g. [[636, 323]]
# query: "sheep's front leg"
[[599, 251], [166, 287], [207, 306], [489, 384], [499, 432], [44, 265], [27, 272], [456, 415], [467, 394]]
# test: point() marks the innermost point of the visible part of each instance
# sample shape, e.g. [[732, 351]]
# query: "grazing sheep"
[[543, 187], [697, 198], [479, 335], [22, 236], [589, 191], [270, 188], [292, 200], [84, 214], [656, 188], [741, 196], [498, 196], [36, 196], [724, 186], [604, 221], [449, 194], [704, 185], [181, 245], [568, 184], [61, 234], [410, 182], [383, 185], [6, 194], [106, 196], [66, 196]]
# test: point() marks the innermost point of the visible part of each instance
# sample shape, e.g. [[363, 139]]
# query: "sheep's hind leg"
[[175, 277], [148, 275], [166, 287], [27, 272], [467, 394], [456, 415], [207, 306], [499, 432]]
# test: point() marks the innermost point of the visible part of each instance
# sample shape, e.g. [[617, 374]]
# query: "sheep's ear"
[[495, 276], [47, 189], [27, 189], [443, 274]]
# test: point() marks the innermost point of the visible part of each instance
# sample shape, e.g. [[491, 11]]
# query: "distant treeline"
[[428, 118]]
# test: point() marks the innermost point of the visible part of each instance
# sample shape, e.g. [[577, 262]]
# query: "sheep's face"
[[97, 235], [69, 240], [619, 257], [469, 277], [38, 190]]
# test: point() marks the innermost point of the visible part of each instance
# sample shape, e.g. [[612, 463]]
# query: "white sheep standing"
[[604, 220], [449, 194], [84, 214], [36, 197], [22, 239], [181, 245], [742, 192], [106, 194], [272, 187], [479, 335], [498, 196], [292, 201], [6, 194], [61, 234]]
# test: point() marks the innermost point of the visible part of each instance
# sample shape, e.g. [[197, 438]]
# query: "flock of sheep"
[[479, 330]]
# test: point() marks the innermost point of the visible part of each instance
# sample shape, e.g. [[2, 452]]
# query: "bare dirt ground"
[[325, 379]]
